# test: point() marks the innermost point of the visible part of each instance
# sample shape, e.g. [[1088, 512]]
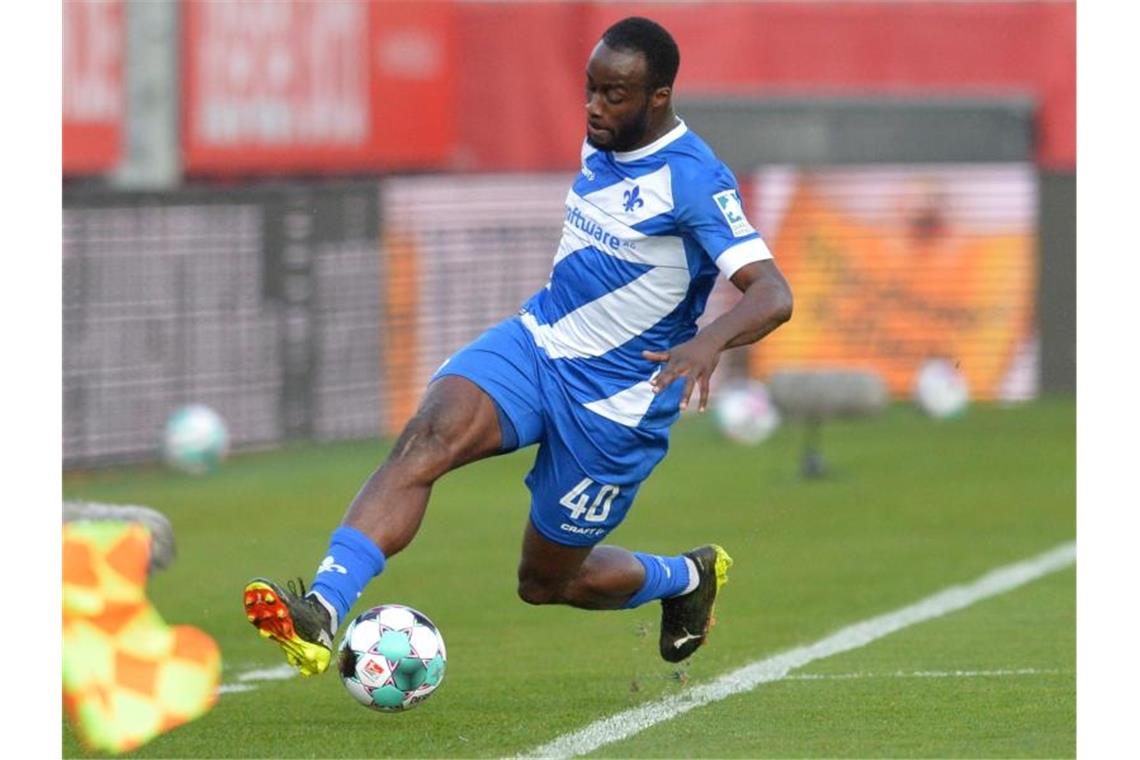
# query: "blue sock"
[[350, 563], [664, 577]]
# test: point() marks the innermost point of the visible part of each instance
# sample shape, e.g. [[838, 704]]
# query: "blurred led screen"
[[894, 265]]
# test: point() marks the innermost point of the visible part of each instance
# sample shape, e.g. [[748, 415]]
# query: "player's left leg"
[[607, 577], [591, 577], [563, 563]]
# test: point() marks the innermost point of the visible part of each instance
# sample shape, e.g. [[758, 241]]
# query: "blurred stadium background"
[[294, 211]]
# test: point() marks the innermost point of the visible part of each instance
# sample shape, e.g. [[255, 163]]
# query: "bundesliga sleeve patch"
[[729, 204]]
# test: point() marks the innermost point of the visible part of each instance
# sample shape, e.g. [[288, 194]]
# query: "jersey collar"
[[654, 146]]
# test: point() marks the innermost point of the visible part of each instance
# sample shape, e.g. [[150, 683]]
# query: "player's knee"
[[426, 448], [580, 590], [538, 591]]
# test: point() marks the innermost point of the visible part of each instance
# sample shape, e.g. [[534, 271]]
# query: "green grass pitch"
[[912, 506]]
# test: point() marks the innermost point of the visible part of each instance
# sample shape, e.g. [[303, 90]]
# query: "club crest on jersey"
[[729, 204], [632, 199]]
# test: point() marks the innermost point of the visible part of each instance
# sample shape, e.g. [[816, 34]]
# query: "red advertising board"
[[93, 41], [337, 86], [869, 48]]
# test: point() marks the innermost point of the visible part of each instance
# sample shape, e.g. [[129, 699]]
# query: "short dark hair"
[[642, 35]]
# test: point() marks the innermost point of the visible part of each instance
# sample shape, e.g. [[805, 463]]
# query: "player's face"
[[618, 101]]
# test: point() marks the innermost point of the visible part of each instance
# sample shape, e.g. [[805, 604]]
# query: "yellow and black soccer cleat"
[[299, 624], [686, 619]]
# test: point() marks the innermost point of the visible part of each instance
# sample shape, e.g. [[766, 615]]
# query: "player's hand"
[[693, 360]]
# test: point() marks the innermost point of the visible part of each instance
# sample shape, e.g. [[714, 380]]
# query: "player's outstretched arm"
[[765, 305]]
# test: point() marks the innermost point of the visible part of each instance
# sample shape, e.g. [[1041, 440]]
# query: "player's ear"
[[659, 97]]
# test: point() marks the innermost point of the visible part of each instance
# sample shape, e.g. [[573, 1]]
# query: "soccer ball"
[[745, 413], [940, 390], [195, 439], [391, 658]]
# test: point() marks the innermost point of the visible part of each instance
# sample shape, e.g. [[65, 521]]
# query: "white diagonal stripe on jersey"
[[637, 247], [657, 251], [626, 407], [570, 243], [654, 197], [574, 240], [614, 319]]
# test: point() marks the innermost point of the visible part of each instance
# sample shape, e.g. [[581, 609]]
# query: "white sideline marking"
[[629, 722], [925, 674], [279, 673], [233, 688]]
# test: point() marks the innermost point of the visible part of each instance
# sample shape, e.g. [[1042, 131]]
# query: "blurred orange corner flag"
[[127, 675]]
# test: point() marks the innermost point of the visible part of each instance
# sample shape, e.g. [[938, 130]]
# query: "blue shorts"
[[588, 468]]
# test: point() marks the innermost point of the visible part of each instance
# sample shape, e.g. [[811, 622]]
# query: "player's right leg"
[[458, 422]]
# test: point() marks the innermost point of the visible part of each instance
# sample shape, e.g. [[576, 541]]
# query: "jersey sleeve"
[[711, 213]]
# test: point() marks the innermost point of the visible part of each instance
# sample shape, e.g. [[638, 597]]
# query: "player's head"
[[629, 83]]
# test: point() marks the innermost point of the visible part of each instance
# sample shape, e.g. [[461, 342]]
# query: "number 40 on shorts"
[[577, 500]]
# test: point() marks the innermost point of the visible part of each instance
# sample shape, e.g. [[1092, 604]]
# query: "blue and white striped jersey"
[[644, 236]]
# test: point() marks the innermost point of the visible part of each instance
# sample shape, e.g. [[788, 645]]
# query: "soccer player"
[[594, 369]]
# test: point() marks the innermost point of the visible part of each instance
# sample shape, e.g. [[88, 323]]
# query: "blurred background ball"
[[745, 413], [940, 390], [195, 439]]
